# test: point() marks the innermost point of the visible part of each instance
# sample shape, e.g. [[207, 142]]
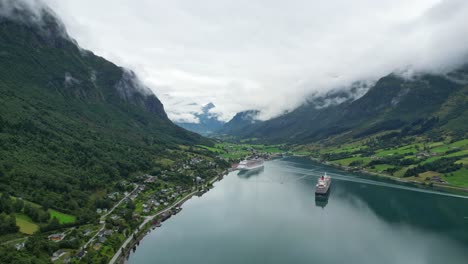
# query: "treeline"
[[62, 172], [395, 160], [336, 156], [443, 165], [8, 205], [417, 127], [8, 224], [9, 255], [7, 217]]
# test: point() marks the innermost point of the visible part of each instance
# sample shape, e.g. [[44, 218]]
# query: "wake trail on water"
[[307, 174]]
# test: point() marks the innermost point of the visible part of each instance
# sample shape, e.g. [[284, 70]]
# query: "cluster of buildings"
[[103, 235], [162, 198]]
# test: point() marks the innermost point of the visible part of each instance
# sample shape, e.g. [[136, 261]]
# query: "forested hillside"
[[71, 123]]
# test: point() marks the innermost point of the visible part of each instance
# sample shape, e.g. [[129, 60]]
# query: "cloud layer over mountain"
[[266, 55]]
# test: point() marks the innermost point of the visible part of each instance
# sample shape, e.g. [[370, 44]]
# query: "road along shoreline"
[[143, 229]]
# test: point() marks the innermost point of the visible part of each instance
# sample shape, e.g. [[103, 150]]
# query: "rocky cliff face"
[[133, 91]]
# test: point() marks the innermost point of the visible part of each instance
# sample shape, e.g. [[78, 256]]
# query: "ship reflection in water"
[[322, 200], [249, 173]]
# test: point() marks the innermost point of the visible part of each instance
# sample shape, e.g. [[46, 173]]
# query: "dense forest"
[[71, 123]]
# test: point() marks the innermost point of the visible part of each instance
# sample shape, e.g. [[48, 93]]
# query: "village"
[[141, 203], [147, 200]]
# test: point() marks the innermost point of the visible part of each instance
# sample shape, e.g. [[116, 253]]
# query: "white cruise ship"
[[323, 185], [250, 164]]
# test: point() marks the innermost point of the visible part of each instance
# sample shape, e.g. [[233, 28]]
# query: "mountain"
[[208, 122], [242, 120], [421, 104], [72, 123]]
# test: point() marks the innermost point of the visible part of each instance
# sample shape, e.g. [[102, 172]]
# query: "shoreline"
[[147, 224], [438, 186]]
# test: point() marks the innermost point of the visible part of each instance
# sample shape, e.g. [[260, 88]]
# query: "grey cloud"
[[129, 83], [266, 55], [37, 14]]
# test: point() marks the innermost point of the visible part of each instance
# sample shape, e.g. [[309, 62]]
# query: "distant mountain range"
[[423, 104], [208, 122]]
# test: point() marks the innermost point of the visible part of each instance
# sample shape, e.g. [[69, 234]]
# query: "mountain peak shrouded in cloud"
[[208, 107], [270, 56], [206, 122], [36, 20]]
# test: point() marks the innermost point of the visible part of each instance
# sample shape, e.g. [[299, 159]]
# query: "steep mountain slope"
[[72, 123], [392, 103], [208, 123], [243, 120]]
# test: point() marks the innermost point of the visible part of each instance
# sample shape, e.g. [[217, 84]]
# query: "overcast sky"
[[266, 55]]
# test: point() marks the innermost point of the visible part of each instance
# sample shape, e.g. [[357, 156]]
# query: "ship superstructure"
[[323, 185]]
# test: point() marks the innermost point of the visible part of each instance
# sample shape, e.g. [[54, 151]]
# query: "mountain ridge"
[[393, 102]]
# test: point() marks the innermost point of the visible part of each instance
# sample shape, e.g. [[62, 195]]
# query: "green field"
[[26, 225], [458, 178], [239, 151], [63, 218], [418, 153], [347, 161], [382, 167], [399, 151]]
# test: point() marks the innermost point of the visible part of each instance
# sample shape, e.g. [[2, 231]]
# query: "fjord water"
[[271, 216]]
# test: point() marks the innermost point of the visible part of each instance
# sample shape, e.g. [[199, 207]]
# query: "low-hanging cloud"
[[266, 55]]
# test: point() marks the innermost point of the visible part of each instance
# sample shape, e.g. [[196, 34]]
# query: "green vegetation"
[[417, 158], [234, 151], [458, 178], [62, 218], [66, 131], [443, 165], [26, 225], [7, 224], [75, 129]]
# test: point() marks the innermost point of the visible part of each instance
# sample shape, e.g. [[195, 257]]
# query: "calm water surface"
[[271, 216]]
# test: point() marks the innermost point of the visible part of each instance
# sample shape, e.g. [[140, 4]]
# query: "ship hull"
[[322, 192]]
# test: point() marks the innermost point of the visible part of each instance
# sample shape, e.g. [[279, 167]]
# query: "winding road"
[[148, 219], [103, 218]]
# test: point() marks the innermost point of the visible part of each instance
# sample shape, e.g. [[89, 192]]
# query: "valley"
[[92, 163]]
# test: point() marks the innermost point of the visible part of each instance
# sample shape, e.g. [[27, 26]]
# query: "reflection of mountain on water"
[[422, 210], [250, 173]]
